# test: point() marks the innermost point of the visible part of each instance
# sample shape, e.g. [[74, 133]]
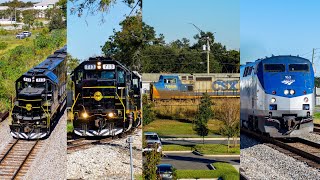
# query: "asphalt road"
[[194, 142], [193, 161]]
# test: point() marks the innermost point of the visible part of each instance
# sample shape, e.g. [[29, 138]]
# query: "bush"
[[148, 114], [3, 45], [25, 28], [3, 32]]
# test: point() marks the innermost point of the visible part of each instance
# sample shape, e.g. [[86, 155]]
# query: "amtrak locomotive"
[[277, 96], [106, 98], [40, 96]]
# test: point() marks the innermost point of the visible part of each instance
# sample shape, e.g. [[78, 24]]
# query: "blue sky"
[[87, 34], [280, 28], [172, 18]]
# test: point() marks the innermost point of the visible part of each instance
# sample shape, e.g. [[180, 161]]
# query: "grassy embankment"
[[223, 170], [175, 119], [316, 118], [19, 55], [205, 149]]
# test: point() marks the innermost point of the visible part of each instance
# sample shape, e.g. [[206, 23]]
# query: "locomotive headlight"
[[99, 63], [84, 115], [306, 99], [110, 115], [286, 92], [292, 92], [273, 100], [98, 67]]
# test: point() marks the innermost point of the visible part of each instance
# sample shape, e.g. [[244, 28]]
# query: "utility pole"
[[207, 38], [208, 55]]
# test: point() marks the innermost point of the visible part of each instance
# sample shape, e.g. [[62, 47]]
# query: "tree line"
[[138, 46]]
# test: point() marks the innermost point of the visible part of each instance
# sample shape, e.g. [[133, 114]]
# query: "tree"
[[125, 45], [56, 19], [148, 113], [202, 117], [28, 17], [152, 159], [72, 63], [95, 6], [229, 113]]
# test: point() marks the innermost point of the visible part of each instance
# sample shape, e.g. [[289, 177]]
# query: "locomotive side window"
[[120, 76], [274, 67], [184, 78], [170, 81], [299, 67]]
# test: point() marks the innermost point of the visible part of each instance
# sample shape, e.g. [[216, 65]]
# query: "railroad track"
[[4, 116], [316, 128], [17, 158], [84, 143], [300, 149]]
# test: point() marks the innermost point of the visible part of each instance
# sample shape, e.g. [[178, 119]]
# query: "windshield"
[[100, 75], [152, 137], [164, 169], [23, 84], [274, 68], [299, 67]]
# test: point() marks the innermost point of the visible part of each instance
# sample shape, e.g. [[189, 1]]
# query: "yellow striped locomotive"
[[106, 98], [40, 96]]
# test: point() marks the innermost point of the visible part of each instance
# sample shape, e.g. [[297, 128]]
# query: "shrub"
[[3, 32], [3, 45]]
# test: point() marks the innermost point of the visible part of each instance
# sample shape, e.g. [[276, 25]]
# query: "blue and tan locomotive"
[[106, 98], [192, 86], [277, 96], [40, 97]]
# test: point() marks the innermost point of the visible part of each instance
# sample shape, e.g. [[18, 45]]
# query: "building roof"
[[46, 2], [2, 8]]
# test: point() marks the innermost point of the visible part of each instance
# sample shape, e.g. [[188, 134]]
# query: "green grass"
[[138, 177], [174, 128], [10, 38], [216, 149], [69, 127], [316, 119], [173, 147], [224, 170]]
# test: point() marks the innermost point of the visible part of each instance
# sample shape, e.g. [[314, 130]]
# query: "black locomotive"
[[106, 98], [40, 96]]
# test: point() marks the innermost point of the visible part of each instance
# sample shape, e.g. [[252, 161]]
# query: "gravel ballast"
[[259, 161], [312, 137], [51, 159], [106, 161], [5, 136]]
